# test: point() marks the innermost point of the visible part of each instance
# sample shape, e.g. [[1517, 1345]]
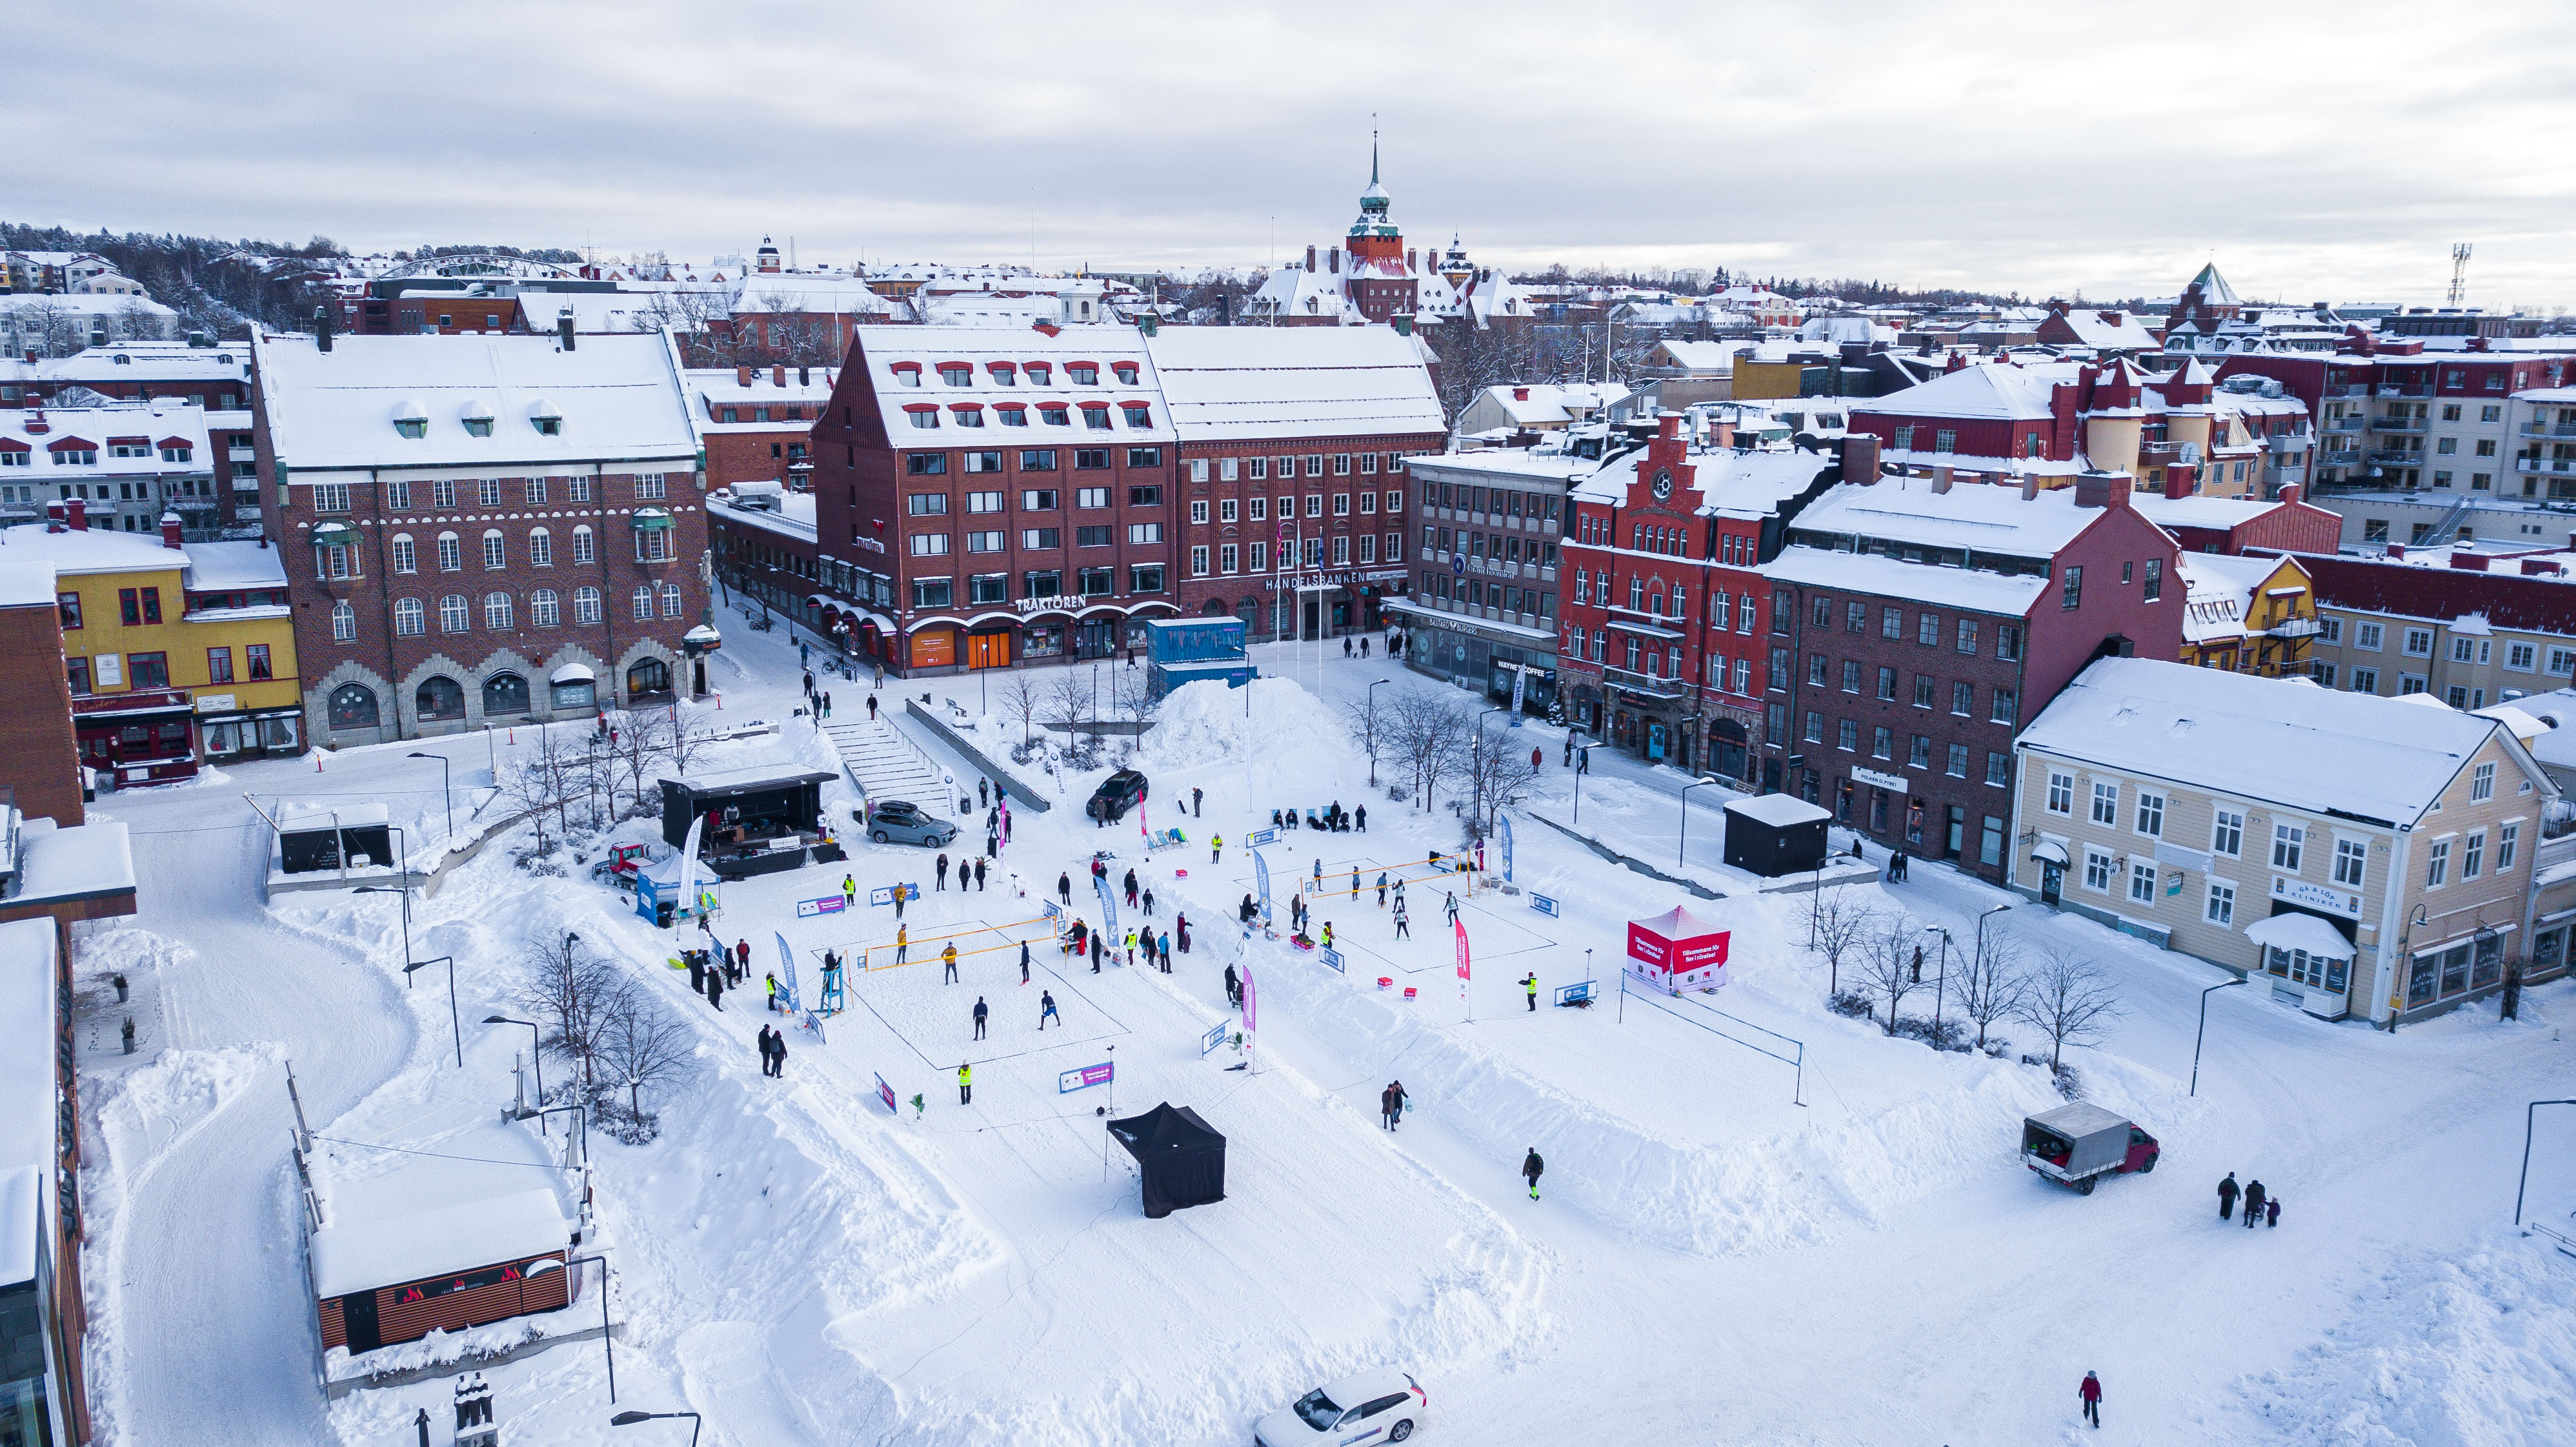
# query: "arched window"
[[406, 559], [452, 616], [648, 675], [409, 618], [585, 605], [438, 698], [543, 610], [643, 601], [505, 693], [353, 706], [451, 559], [495, 555], [344, 622], [496, 612], [541, 548], [584, 544], [670, 600]]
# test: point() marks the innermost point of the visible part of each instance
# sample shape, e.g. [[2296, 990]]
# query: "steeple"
[[1374, 219]]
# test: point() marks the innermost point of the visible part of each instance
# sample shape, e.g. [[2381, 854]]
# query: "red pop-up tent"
[[1677, 951]]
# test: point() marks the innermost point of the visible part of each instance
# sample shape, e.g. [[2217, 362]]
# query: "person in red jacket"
[[2091, 1392]]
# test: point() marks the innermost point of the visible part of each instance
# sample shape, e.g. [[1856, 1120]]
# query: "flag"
[[1108, 906], [1461, 928], [688, 891], [1261, 872], [787, 967], [1250, 1015], [1504, 822]]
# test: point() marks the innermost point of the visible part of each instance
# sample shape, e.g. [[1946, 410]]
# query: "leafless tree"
[[1991, 985], [537, 783], [1069, 702], [1837, 921], [1022, 697], [1494, 770], [686, 745], [46, 327], [642, 738], [136, 322], [1886, 966], [2070, 1000], [1425, 733], [642, 1044], [573, 994]]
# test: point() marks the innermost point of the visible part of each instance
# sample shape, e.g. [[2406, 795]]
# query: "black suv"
[[1116, 795]]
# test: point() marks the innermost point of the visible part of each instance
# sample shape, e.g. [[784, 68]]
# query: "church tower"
[[1381, 281]]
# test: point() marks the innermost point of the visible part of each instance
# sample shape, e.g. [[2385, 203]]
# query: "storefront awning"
[[2295, 931], [648, 518], [1626, 625], [334, 534], [571, 673], [2049, 851]]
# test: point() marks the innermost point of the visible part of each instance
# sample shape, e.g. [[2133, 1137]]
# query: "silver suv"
[[898, 821]]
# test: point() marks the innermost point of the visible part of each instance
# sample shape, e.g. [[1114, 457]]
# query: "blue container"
[[1194, 640]]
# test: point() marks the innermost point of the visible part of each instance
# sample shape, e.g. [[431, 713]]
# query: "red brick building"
[[492, 528], [755, 422]]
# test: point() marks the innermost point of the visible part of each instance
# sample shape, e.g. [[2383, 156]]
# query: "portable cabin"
[[314, 838], [760, 818], [397, 1278], [1775, 834]]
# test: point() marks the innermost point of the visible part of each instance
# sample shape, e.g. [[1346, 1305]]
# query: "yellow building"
[[2247, 615], [177, 654]]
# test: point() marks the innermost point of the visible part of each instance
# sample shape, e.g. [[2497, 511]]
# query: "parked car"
[[1116, 795], [899, 821], [1384, 1405], [2079, 1143]]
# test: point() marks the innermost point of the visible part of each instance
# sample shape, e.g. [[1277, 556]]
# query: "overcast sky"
[[2315, 151]]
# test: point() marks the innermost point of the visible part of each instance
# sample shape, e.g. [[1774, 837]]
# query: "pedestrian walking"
[[1381, 889], [1046, 1009], [982, 801], [1064, 888], [742, 952], [1355, 881], [1024, 962], [1198, 809], [1538, 759], [1386, 1107], [1531, 1169], [1131, 949], [1163, 952], [872, 708], [778, 1054], [827, 703], [761, 1043], [804, 654], [1396, 1100], [948, 960], [1095, 952], [715, 989], [1328, 934], [1181, 927], [2227, 1190], [2253, 1203], [1453, 906], [2271, 1211], [902, 944], [1403, 930], [1359, 817], [1529, 982], [903, 892], [697, 973], [1216, 848], [1149, 901], [979, 876], [965, 1085], [943, 871], [1364, 647], [1918, 965], [1131, 889], [1346, 648], [809, 683], [980, 1013], [2091, 1392]]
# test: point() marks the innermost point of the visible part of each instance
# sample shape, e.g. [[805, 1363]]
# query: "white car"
[[1380, 1406]]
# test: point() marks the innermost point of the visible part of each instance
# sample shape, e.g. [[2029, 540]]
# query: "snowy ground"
[[1713, 1260]]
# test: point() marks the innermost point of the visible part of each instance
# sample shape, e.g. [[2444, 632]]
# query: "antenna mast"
[[2459, 273]]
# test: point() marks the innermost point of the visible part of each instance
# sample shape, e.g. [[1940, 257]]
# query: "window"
[[981, 461], [585, 605], [1055, 414], [2155, 586], [2007, 705], [405, 559], [2151, 813], [986, 542], [2482, 783], [219, 665], [927, 504], [2437, 864], [1144, 497], [452, 613], [69, 606], [1856, 618], [1851, 675], [1314, 505], [2473, 855], [488, 492], [1882, 744], [2097, 870], [1927, 630], [584, 544], [2520, 657], [1848, 738], [989, 588], [495, 553], [1958, 768], [2007, 642], [1998, 769], [2074, 597], [1038, 459], [1144, 532], [2289, 842], [2106, 804], [2419, 643], [577, 489], [2222, 905], [1094, 537], [2227, 833], [1891, 623], [1887, 684], [496, 611], [671, 600], [1926, 689], [2061, 793], [929, 545], [925, 464], [2142, 883], [1967, 638], [408, 618], [1145, 578], [2366, 635], [1095, 582], [2508, 839], [544, 608], [1091, 497], [2365, 680], [1963, 699], [331, 497]]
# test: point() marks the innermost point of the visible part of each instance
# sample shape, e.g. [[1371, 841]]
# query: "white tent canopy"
[[2293, 931]]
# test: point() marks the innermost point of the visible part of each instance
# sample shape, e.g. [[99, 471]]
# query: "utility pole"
[[2459, 274]]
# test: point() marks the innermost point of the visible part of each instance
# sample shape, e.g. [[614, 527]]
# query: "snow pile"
[[2477, 1347], [1202, 723]]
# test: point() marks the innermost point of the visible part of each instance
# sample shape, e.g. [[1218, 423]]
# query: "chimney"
[[321, 330], [2289, 492], [742, 376], [1860, 455], [778, 375], [54, 515], [170, 530], [2098, 488], [1669, 426], [1310, 258], [1721, 433], [563, 329], [1333, 257], [2397, 550], [1520, 394], [76, 513], [804, 376], [2029, 486], [2540, 567], [1941, 479], [1408, 258]]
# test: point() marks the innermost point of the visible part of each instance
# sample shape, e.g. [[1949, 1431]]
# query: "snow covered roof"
[[1979, 517], [2199, 511], [233, 567], [51, 431], [2218, 593], [297, 818], [792, 517], [2297, 931], [353, 1256], [619, 398], [27, 1084], [1777, 810], [1554, 405], [1729, 483], [85, 861], [2213, 288], [751, 776], [136, 361], [829, 294], [1293, 291], [1982, 392], [1246, 382], [1710, 357], [2317, 749], [2008, 594], [904, 362]]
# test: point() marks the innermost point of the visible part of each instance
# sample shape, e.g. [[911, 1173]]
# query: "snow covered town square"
[[1700, 726]]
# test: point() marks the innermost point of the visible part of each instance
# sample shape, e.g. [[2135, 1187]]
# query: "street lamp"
[[1981, 931], [2529, 1112], [2203, 1032], [1704, 781], [607, 1339], [629, 1419], [1941, 982], [2406, 965], [453, 1024], [1372, 727], [405, 891], [443, 791], [1477, 823], [536, 1039], [1582, 766]]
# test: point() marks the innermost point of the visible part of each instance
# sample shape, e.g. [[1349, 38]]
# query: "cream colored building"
[[2364, 857]]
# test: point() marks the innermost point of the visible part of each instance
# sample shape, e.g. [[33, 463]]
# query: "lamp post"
[[1582, 766], [2203, 1032], [405, 891], [2529, 1112], [1477, 823], [453, 1023], [1683, 847], [536, 1055], [1981, 931], [629, 1419], [1941, 981], [607, 1340], [1372, 727], [2406, 965], [443, 793]]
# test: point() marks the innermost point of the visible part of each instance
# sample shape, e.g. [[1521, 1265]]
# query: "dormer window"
[[547, 426], [956, 374], [413, 427], [1126, 373], [1040, 374], [1138, 414], [547, 418], [1082, 374], [907, 374], [1004, 374]]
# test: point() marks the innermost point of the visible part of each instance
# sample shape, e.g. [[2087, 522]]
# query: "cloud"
[[2318, 151]]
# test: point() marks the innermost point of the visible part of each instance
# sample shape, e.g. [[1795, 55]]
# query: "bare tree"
[[1494, 769], [1886, 967], [136, 322], [686, 745], [1838, 920], [573, 994], [640, 740], [1991, 986], [1022, 697], [1426, 733], [1069, 703], [642, 1044], [2069, 998]]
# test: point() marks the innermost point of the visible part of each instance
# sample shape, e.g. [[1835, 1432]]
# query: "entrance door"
[[988, 650], [1730, 761], [1954, 838], [1097, 638], [1313, 604], [358, 1322], [2050, 877], [1770, 776], [1656, 737]]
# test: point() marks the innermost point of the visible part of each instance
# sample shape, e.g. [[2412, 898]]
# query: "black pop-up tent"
[[1182, 1159]]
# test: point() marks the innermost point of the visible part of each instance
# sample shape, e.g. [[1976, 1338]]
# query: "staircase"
[[886, 764]]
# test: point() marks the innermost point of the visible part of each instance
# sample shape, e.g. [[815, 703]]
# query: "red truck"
[[2079, 1143]]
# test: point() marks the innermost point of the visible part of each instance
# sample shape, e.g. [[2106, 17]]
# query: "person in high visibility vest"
[[1529, 982], [948, 960], [965, 1084]]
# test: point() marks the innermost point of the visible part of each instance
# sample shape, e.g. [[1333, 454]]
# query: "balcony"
[[2395, 457], [245, 484], [2404, 389], [2338, 459], [2544, 464], [2408, 425], [2293, 628], [246, 514], [2348, 423], [1643, 685]]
